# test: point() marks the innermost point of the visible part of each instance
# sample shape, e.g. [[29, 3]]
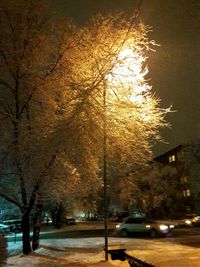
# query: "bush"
[[3, 249]]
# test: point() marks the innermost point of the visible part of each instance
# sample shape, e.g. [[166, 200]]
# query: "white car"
[[142, 225]]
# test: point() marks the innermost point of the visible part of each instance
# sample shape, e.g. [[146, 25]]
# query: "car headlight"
[[171, 226], [117, 226], [188, 222], [195, 219], [163, 227]]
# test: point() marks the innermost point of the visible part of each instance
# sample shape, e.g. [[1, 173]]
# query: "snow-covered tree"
[[111, 60], [63, 90], [36, 130], [119, 103], [24, 50], [153, 189]]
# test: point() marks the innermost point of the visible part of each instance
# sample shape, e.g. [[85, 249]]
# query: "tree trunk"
[[3, 250], [36, 227], [26, 233], [59, 215]]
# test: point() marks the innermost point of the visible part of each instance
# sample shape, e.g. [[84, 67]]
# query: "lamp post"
[[128, 64], [105, 175]]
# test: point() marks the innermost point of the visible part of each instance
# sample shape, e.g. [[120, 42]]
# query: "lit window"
[[184, 179], [186, 193], [172, 158]]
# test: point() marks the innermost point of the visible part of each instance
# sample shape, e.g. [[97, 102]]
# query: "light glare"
[[128, 75]]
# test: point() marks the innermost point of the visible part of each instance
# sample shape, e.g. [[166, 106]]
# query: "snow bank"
[[88, 252]]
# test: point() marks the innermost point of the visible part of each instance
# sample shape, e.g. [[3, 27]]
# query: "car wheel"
[[124, 233], [153, 233]]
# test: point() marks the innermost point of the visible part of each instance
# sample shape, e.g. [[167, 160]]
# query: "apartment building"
[[185, 159]]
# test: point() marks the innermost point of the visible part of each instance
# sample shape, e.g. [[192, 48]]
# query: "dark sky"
[[174, 69]]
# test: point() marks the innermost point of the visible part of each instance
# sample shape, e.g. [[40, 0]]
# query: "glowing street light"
[[124, 82], [127, 76]]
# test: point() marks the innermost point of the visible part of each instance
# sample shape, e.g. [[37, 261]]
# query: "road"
[[183, 236]]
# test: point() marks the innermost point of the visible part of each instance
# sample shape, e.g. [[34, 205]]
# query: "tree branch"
[[6, 85], [7, 64], [24, 106], [11, 200]]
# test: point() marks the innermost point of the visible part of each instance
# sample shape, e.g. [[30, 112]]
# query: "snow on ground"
[[82, 252]]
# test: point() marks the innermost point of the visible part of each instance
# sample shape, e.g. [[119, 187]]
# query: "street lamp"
[[119, 84], [105, 175]]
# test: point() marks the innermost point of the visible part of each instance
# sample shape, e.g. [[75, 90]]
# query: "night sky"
[[174, 69]]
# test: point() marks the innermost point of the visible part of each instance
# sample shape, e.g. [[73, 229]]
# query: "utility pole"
[[105, 175]]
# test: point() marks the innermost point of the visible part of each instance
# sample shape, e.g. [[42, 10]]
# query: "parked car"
[[119, 216], [14, 225], [70, 221], [46, 219], [132, 225], [196, 220], [189, 220], [4, 229]]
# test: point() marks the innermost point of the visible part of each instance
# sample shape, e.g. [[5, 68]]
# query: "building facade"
[[185, 159]]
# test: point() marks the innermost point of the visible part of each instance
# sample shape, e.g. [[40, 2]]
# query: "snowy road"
[[183, 236], [88, 251]]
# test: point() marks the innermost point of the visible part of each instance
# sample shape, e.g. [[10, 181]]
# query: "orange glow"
[[128, 75]]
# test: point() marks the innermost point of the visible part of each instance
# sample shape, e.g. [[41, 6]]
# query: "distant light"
[[82, 214], [74, 170]]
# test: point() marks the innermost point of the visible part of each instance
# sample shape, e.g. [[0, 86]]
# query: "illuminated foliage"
[[109, 56], [60, 87]]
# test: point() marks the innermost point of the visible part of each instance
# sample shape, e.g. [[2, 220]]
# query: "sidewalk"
[[88, 252]]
